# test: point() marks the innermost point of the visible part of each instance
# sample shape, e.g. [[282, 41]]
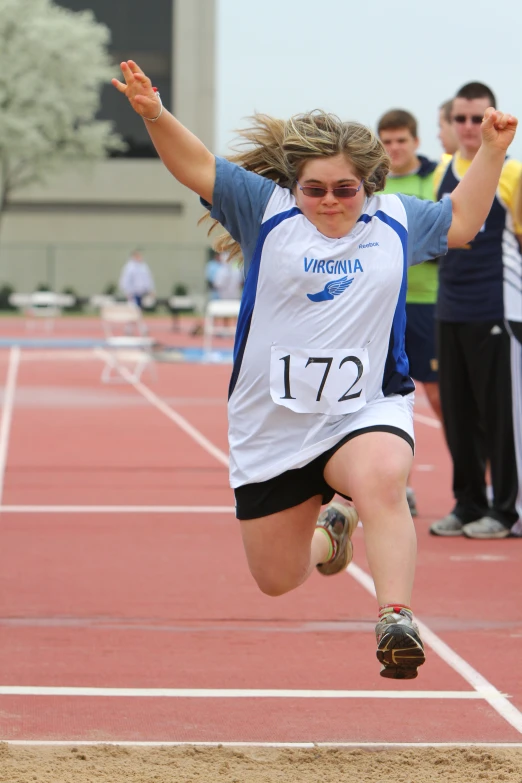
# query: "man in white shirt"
[[136, 278]]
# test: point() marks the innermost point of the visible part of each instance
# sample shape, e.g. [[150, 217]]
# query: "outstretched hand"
[[498, 129], [138, 89]]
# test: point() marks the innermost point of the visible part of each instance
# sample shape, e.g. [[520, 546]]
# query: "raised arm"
[[473, 196], [185, 156]]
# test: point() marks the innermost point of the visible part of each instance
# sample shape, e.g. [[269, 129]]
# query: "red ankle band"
[[394, 608]]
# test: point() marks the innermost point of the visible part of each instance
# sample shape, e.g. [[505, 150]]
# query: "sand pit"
[[118, 764]]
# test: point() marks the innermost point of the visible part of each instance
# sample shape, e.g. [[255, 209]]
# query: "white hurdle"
[[219, 308]]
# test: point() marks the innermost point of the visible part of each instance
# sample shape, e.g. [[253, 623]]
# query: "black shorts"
[[293, 487], [421, 347]]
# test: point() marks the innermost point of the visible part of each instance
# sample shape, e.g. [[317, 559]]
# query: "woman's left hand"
[[498, 129]]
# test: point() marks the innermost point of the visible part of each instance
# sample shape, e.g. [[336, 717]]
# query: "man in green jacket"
[[412, 174]]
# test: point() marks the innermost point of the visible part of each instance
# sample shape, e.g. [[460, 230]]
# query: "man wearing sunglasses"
[[474, 345], [412, 175]]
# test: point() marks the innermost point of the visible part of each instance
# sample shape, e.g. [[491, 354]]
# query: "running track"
[[127, 613]]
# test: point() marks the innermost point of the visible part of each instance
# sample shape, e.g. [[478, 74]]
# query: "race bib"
[[308, 380]]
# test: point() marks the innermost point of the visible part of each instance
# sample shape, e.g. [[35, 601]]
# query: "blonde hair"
[[278, 149]]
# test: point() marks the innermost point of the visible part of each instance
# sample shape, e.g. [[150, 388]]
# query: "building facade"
[[77, 230]]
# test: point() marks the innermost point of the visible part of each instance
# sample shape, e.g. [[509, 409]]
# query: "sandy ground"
[[116, 764]]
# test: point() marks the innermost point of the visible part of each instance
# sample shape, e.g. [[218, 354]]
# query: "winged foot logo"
[[334, 287], [331, 290]]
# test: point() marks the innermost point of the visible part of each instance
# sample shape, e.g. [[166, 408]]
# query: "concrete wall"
[[78, 229]]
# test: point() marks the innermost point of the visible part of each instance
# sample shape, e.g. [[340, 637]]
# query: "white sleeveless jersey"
[[320, 334]]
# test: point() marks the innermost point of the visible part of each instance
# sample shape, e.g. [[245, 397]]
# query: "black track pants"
[[475, 392]]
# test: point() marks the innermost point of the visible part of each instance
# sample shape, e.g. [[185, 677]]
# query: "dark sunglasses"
[[475, 119], [341, 192]]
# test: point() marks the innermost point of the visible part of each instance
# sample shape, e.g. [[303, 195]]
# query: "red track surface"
[[150, 600]]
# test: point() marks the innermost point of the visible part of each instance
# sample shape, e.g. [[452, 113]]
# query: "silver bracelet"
[[155, 119]]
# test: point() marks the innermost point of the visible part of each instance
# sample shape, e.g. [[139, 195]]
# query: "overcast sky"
[[359, 59]]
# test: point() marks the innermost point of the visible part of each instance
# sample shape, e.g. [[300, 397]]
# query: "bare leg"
[[372, 469], [283, 549]]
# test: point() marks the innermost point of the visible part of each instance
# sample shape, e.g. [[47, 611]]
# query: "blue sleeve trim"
[[428, 226], [248, 299], [396, 379]]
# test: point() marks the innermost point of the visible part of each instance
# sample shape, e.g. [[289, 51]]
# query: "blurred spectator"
[[447, 135], [225, 280], [412, 175], [228, 278], [136, 278], [213, 265], [513, 314], [228, 281], [474, 345]]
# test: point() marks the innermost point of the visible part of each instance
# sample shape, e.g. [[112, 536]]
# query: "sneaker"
[[486, 527], [412, 501], [340, 521], [448, 526], [399, 646]]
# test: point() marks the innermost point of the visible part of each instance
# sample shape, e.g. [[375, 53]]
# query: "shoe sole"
[[445, 533], [401, 653], [486, 536], [345, 555]]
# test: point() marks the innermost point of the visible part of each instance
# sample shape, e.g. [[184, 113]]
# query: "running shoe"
[[340, 521], [412, 501], [450, 525], [399, 646], [486, 527]]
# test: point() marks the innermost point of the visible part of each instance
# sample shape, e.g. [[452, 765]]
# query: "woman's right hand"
[[138, 89]]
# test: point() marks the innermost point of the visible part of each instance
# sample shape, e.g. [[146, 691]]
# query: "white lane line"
[[158, 403], [231, 693], [118, 509], [7, 411], [430, 421], [494, 697], [219, 744]]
